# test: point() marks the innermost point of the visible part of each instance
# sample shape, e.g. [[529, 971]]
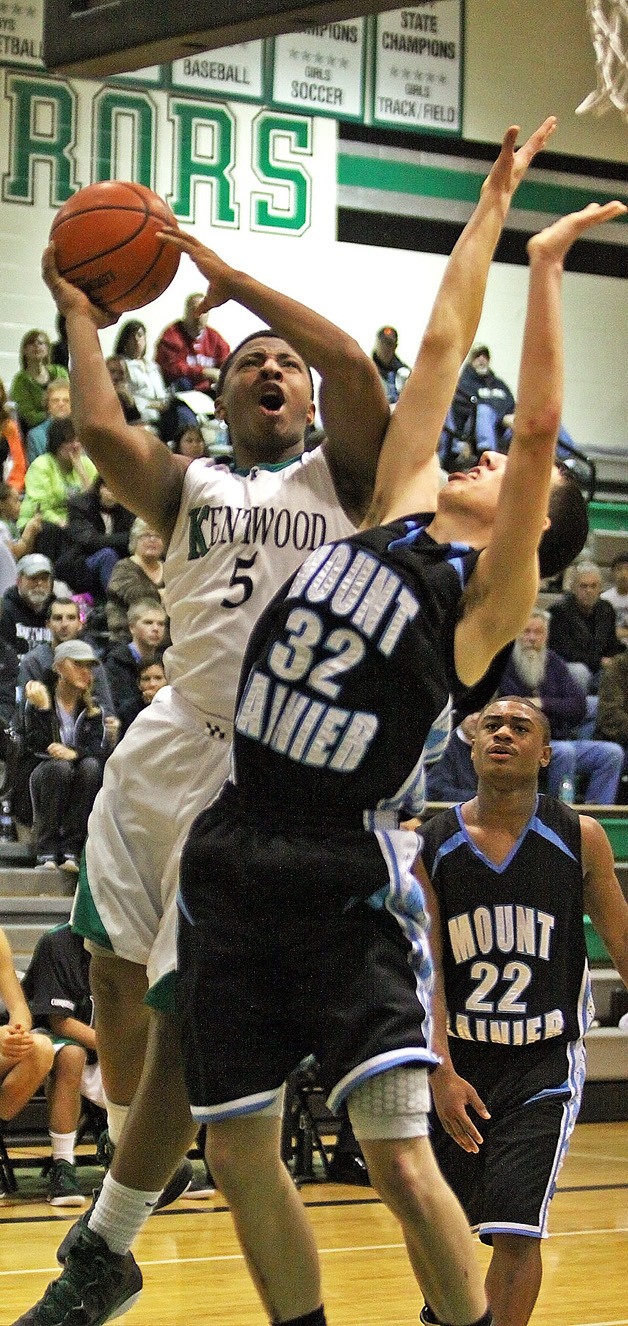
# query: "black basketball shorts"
[[533, 1095], [282, 955]]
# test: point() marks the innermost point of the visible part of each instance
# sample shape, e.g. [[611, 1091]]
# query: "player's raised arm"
[[353, 404], [139, 470], [407, 477], [504, 585]]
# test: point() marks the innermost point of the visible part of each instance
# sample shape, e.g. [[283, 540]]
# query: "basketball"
[[106, 243]]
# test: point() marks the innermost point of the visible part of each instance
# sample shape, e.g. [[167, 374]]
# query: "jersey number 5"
[[243, 583]]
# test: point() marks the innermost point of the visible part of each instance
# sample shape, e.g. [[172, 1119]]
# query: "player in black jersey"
[[511, 874], [302, 928]]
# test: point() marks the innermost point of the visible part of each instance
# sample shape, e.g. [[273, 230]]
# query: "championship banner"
[[234, 72], [417, 74], [321, 69], [21, 29]]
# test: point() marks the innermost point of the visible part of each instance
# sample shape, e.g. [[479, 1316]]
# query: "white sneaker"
[[200, 1187]]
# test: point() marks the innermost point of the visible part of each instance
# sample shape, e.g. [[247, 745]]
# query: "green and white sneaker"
[[63, 1185], [95, 1286]]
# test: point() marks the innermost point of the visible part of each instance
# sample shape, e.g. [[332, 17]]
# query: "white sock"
[[63, 1146], [116, 1115], [120, 1213]]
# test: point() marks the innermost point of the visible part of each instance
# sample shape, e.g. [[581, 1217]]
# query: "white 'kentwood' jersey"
[[236, 540]]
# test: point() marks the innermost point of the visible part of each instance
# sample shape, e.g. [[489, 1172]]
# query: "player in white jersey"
[[236, 539], [232, 537]]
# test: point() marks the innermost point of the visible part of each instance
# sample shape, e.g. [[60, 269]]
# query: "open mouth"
[[272, 399], [463, 474]]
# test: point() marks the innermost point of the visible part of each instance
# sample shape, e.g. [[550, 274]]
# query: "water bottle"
[[567, 791]]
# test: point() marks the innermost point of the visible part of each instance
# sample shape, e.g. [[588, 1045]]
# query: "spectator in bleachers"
[[24, 607], [98, 537], [189, 441], [56, 986], [120, 378], [25, 1056], [57, 401], [387, 361], [190, 353], [617, 595], [151, 678], [138, 576], [28, 388], [64, 468], [157, 407], [583, 627], [535, 671], [12, 455], [67, 739], [453, 776], [481, 390], [147, 628], [495, 402], [64, 623], [19, 542]]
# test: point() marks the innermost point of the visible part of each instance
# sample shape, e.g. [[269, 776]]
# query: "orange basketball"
[[106, 243]]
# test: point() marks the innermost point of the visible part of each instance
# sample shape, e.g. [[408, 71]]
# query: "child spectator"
[[19, 542], [150, 679], [56, 986], [189, 441], [147, 625]]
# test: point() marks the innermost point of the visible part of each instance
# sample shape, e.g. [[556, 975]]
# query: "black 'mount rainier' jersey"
[[346, 682], [514, 955]]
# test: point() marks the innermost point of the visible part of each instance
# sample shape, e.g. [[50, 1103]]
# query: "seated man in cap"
[[67, 738], [24, 607], [388, 363]]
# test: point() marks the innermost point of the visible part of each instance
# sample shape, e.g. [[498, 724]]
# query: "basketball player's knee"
[[230, 1146], [43, 1055], [404, 1181], [389, 1114], [68, 1067], [225, 1151], [513, 1253]]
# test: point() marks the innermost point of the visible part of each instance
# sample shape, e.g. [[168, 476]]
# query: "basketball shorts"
[[283, 954], [171, 763], [533, 1096]]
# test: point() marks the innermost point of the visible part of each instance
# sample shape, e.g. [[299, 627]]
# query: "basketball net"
[[608, 20]]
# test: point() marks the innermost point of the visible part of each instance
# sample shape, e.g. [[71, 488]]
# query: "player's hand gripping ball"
[[106, 243]]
